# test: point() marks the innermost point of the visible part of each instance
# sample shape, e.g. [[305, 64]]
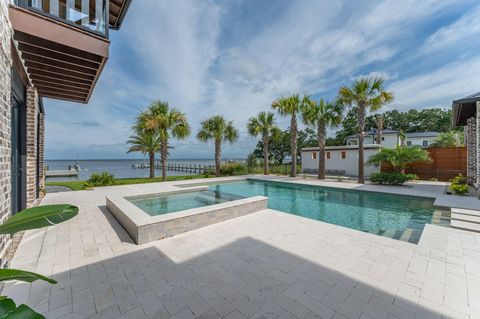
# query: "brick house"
[[466, 113], [49, 48]]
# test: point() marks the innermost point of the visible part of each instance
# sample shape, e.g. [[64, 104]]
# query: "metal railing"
[[89, 15]]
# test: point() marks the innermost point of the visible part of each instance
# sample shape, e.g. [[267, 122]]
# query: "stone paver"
[[265, 265]]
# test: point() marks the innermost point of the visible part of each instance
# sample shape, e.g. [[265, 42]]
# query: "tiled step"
[[466, 218], [465, 225], [462, 211]]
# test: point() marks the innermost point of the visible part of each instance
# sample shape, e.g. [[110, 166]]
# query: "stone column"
[[477, 144], [471, 144], [5, 125]]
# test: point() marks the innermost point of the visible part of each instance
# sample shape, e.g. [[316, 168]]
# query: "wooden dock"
[[189, 168], [62, 173]]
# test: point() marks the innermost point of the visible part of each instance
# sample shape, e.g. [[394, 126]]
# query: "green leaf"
[[38, 217], [21, 312], [6, 305], [21, 275]]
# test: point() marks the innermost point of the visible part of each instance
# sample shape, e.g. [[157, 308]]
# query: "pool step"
[[406, 234], [466, 219]]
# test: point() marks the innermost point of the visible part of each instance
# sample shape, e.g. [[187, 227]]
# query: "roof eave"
[[121, 16]]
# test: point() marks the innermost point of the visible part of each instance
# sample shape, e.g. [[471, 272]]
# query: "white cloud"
[[179, 51], [465, 29], [438, 87]]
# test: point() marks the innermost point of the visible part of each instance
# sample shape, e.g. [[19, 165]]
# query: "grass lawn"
[[80, 185]]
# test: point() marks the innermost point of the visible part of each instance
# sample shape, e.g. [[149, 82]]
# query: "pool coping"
[[144, 228]]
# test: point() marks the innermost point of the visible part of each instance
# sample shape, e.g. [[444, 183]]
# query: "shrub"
[[459, 185], [459, 180], [251, 161], [433, 179], [459, 189], [388, 178], [102, 179], [412, 176], [233, 169]]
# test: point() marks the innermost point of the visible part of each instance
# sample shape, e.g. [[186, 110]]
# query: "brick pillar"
[[471, 144], [41, 149], [5, 125], [32, 156]]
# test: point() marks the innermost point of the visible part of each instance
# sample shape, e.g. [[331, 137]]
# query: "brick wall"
[[32, 156], [5, 88], [41, 147]]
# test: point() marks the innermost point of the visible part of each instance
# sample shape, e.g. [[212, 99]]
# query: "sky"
[[234, 58]]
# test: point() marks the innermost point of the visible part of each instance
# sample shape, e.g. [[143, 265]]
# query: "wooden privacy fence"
[[447, 162]]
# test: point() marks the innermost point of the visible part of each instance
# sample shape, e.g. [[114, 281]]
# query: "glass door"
[[16, 164]]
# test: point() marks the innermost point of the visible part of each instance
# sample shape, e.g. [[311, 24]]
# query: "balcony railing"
[[90, 15]]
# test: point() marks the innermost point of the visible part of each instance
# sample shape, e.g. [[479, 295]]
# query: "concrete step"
[[462, 211], [465, 225], [466, 218]]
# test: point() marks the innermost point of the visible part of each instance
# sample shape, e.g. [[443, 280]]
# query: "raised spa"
[[151, 217]]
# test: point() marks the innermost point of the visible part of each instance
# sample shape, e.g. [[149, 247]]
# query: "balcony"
[[64, 44]]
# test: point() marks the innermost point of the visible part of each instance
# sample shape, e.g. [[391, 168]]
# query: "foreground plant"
[[366, 94], [31, 218], [322, 115], [216, 128], [399, 157]]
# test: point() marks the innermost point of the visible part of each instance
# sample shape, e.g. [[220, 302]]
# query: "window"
[[343, 155], [425, 143], [409, 143], [328, 155], [314, 155]]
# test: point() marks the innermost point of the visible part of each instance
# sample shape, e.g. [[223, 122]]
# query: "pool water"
[[395, 216], [163, 204]]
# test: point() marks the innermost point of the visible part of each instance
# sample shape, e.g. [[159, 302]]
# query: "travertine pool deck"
[[267, 264]]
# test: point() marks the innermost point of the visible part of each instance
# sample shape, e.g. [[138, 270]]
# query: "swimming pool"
[[395, 216]]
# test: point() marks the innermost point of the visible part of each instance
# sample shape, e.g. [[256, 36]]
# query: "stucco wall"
[[5, 87], [389, 140], [336, 163], [418, 141]]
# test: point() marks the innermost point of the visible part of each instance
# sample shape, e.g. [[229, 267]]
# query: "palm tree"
[[322, 115], [379, 121], [366, 94], [291, 106], [399, 157], [218, 129], [264, 125], [402, 137], [147, 143], [167, 122], [449, 139]]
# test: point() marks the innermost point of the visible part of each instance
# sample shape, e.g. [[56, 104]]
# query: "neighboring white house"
[[391, 138], [339, 160], [423, 139]]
